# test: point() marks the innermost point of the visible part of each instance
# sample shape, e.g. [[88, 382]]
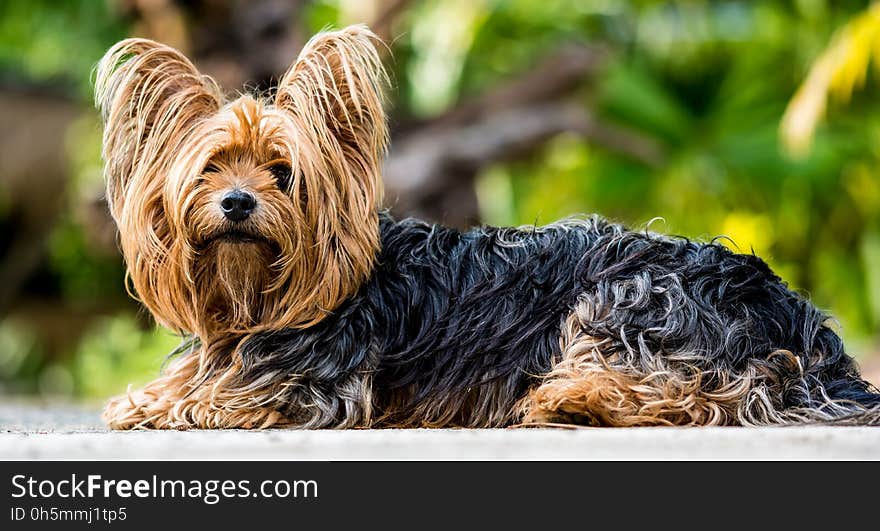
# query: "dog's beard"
[[233, 277]]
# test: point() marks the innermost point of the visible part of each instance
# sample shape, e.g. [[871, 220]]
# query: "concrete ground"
[[30, 431]]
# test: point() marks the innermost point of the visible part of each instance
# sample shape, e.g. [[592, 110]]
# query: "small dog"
[[254, 229]]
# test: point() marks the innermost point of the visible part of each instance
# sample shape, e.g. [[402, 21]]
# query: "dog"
[[254, 228]]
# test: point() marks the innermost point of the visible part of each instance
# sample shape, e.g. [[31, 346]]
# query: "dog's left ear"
[[149, 96], [333, 94]]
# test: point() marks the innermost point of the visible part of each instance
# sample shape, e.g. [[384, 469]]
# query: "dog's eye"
[[211, 167], [281, 172]]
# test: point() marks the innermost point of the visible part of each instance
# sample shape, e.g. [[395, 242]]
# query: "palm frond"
[[837, 72]]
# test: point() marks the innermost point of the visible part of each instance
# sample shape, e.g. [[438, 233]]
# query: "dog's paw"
[[144, 409], [135, 410]]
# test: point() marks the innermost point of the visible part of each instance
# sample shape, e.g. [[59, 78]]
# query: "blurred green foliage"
[[115, 354], [708, 81], [47, 40]]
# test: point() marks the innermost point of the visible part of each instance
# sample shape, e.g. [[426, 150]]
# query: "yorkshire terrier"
[[254, 229]]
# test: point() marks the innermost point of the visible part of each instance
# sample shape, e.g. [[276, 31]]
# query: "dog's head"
[[250, 214]]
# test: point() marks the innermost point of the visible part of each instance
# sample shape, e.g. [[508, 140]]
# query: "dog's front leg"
[[144, 408], [178, 400], [149, 408]]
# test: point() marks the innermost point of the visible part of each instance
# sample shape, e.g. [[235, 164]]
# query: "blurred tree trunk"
[[433, 163], [238, 42], [34, 174]]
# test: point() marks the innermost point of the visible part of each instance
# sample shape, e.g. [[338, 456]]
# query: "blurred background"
[[754, 120]]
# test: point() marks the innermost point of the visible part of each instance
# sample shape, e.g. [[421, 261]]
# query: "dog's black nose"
[[237, 205]]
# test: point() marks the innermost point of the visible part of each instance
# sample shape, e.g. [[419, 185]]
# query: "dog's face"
[[252, 214]]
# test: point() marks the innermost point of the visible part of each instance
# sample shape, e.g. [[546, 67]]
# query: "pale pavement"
[[64, 432]]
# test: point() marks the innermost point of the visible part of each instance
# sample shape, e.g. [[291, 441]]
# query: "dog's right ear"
[[149, 96]]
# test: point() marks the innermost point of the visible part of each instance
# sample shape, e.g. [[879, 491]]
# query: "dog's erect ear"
[[333, 93], [149, 95], [151, 99]]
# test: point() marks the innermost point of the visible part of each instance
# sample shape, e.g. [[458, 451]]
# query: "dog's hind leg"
[[594, 384], [647, 375]]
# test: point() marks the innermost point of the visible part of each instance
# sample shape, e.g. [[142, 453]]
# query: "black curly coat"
[[456, 328]]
